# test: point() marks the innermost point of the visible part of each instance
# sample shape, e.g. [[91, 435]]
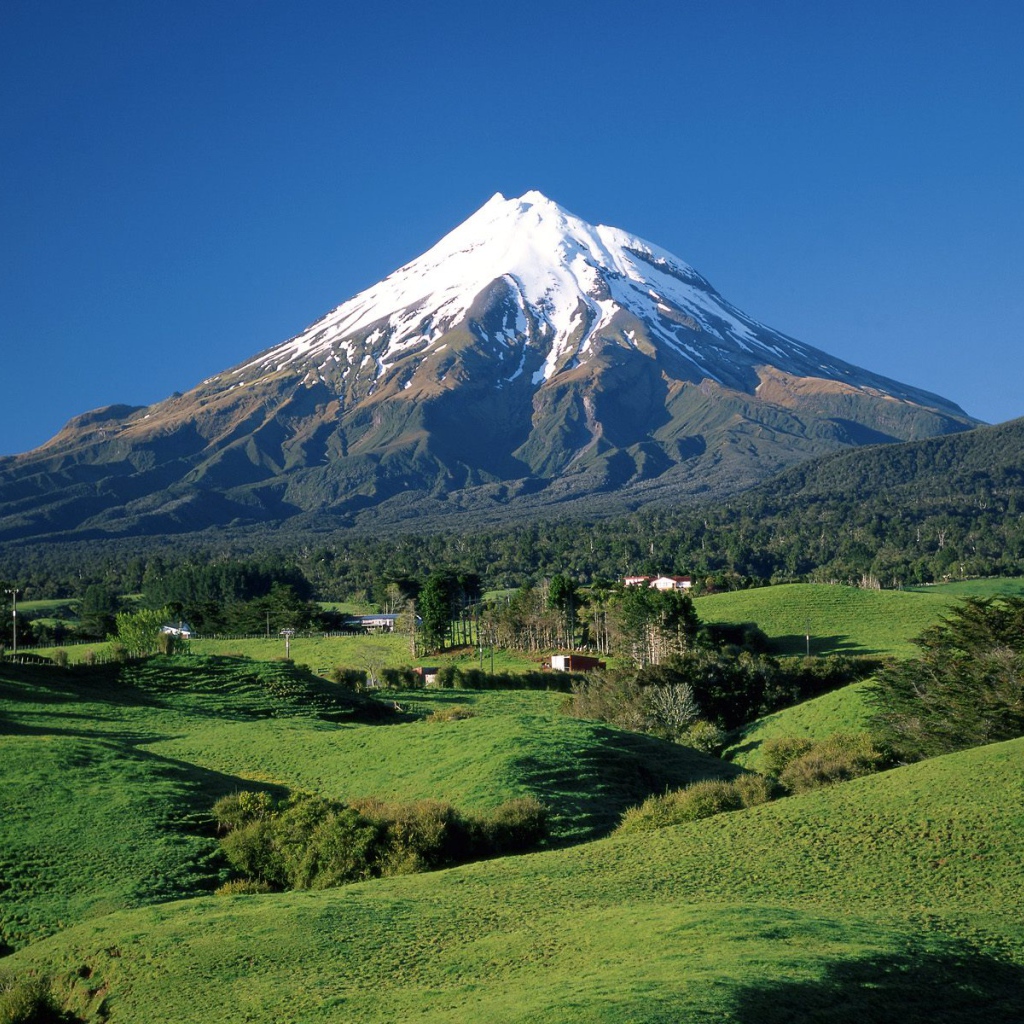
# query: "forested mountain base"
[[947, 508]]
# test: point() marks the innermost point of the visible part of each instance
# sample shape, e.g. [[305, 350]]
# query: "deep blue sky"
[[183, 184]]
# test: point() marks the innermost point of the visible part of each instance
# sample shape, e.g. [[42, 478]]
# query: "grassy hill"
[[892, 896], [840, 619], [110, 773]]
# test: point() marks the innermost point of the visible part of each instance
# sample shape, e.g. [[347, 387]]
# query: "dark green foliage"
[[403, 678], [351, 678], [452, 677], [966, 687], [908, 513], [311, 842], [654, 625], [728, 689], [96, 611]]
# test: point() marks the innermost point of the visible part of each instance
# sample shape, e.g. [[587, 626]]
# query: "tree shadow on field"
[[796, 644], [927, 988], [589, 788]]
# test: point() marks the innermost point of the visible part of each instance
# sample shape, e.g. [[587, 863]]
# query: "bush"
[[704, 736], [312, 843], [30, 1001], [453, 713], [404, 678], [351, 678], [777, 754], [838, 758], [236, 810], [60, 658], [515, 826], [697, 801], [447, 677], [420, 836], [242, 887]]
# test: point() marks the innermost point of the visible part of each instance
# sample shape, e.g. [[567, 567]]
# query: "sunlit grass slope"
[[108, 774], [891, 897], [840, 619], [843, 710]]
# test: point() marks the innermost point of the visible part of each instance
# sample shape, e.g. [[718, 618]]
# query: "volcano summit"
[[527, 359]]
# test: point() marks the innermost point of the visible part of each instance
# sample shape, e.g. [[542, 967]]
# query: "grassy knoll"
[[109, 773], [891, 897], [840, 711], [840, 619]]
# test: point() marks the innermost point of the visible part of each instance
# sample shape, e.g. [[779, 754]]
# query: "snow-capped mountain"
[[527, 358]]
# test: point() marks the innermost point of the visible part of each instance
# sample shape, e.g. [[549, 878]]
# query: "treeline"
[[893, 515]]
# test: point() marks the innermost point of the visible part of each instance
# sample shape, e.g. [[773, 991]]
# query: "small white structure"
[[671, 583], [182, 630], [636, 581]]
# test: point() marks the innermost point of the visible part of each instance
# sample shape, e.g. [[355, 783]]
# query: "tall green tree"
[[966, 688]]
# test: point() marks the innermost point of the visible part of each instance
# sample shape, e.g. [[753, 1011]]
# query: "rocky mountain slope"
[[528, 359]]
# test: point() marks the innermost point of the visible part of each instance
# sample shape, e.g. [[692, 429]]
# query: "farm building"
[[574, 663]]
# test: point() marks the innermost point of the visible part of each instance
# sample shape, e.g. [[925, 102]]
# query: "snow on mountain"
[[564, 274]]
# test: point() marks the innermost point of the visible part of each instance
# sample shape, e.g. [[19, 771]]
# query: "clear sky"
[[183, 184]]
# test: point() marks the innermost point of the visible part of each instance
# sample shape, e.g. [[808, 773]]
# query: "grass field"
[[110, 773], [844, 620], [891, 897]]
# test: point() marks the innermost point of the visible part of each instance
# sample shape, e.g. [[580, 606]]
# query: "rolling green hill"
[[844, 620], [892, 896], [895, 896], [110, 773]]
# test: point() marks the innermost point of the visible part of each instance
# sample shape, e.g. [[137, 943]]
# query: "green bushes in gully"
[[312, 842]]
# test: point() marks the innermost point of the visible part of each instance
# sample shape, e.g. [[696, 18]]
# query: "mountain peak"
[[527, 354]]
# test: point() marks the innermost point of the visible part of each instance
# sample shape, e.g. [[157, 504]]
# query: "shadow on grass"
[[795, 644], [945, 988], [210, 686], [588, 790]]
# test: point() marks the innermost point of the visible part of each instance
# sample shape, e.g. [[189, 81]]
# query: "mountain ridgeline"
[[527, 362]]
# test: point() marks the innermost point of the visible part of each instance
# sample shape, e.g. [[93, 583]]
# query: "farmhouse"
[[182, 630], [671, 583], [379, 623], [659, 582]]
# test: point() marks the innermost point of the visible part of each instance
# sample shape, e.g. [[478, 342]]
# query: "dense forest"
[[889, 516]]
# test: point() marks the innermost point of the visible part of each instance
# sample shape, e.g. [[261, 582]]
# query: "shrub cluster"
[[966, 688], [31, 1000], [452, 677], [311, 842], [723, 687], [698, 800], [801, 764]]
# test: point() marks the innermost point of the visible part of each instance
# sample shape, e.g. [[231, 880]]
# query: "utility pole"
[[13, 591]]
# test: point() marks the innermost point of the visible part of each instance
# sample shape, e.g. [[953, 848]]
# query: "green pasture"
[[110, 773], [844, 620], [895, 896], [891, 897]]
